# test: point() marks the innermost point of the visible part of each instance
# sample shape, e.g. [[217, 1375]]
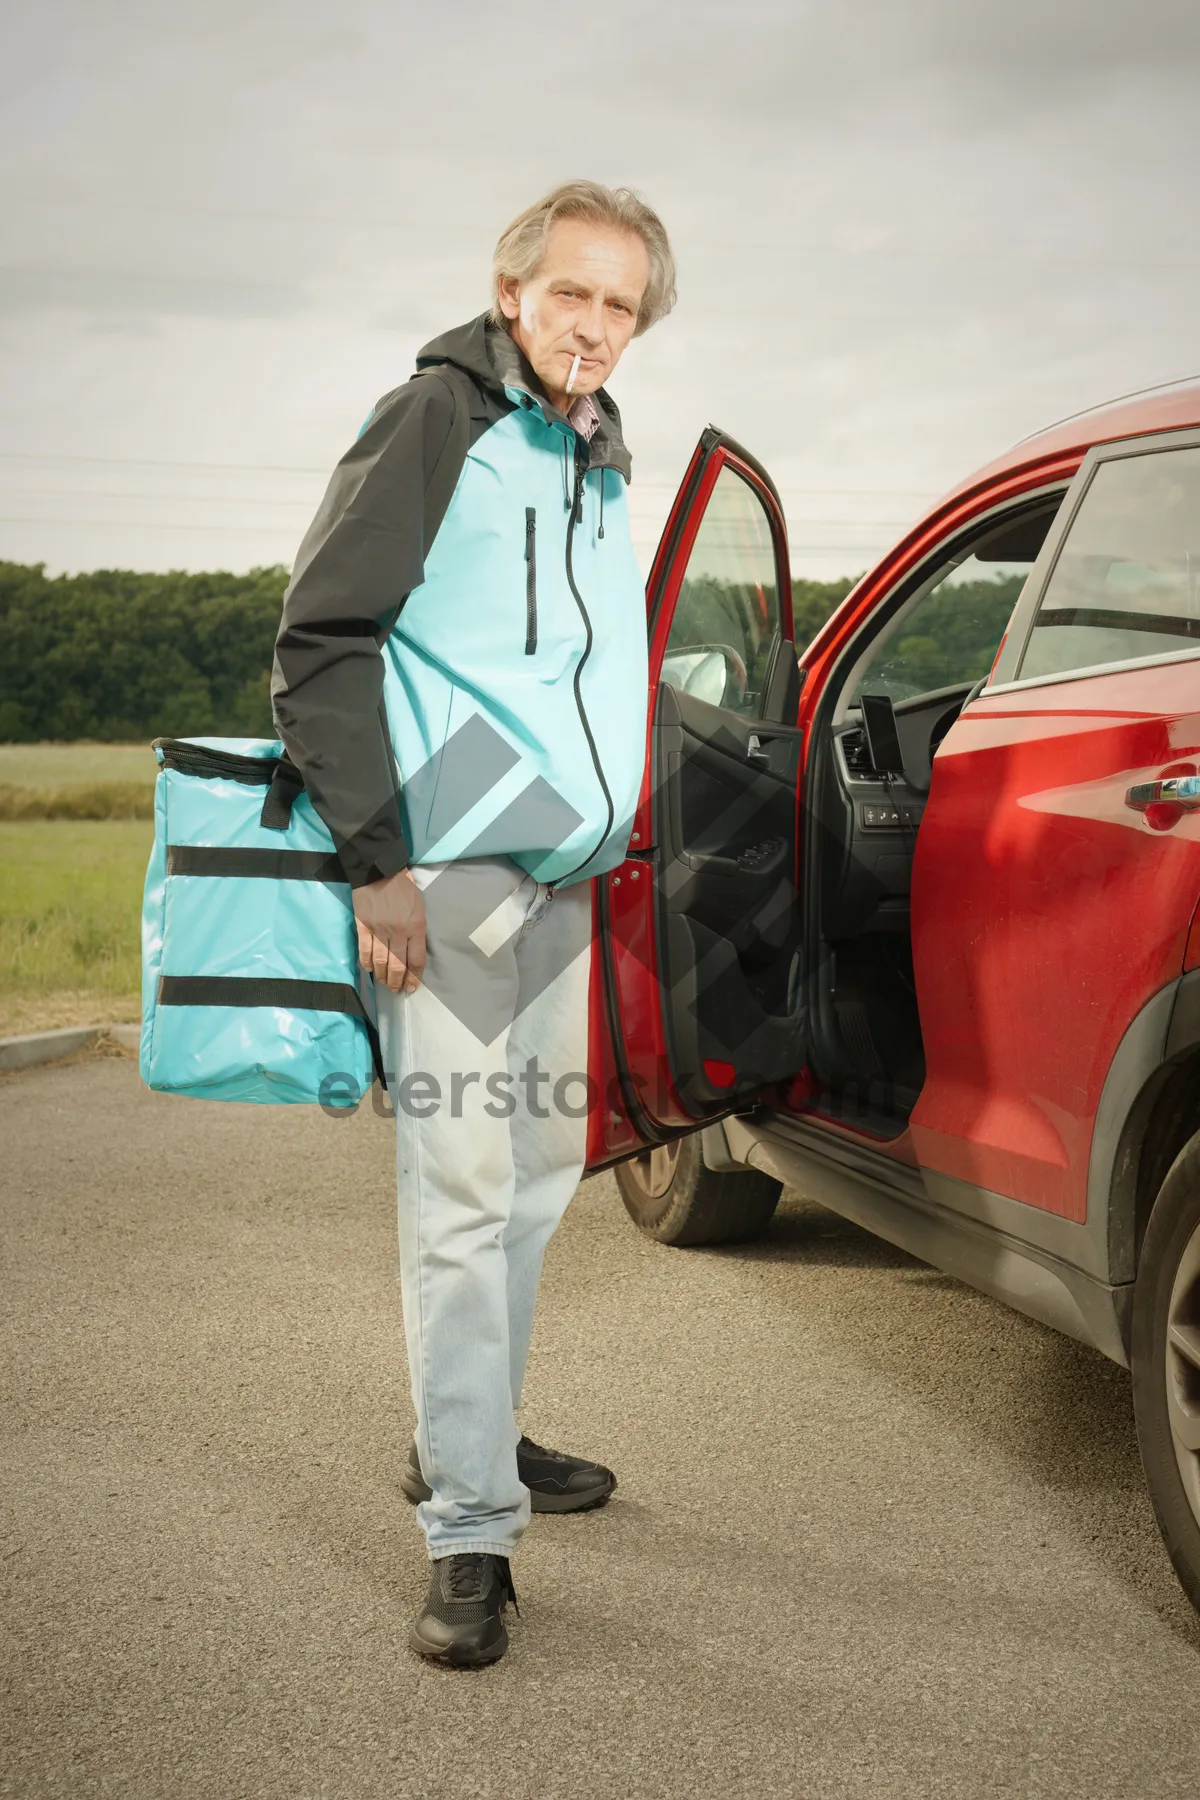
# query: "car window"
[[1127, 580], [950, 636], [726, 622]]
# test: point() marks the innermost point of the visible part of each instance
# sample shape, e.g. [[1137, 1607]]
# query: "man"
[[461, 677]]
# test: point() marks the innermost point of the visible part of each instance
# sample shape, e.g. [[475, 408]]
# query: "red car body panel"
[[1045, 912]]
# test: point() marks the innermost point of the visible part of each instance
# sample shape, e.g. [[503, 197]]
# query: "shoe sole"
[[415, 1491], [455, 1657]]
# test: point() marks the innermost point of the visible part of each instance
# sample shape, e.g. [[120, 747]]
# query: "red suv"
[[909, 919]]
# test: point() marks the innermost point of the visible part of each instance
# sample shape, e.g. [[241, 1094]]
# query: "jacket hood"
[[486, 352]]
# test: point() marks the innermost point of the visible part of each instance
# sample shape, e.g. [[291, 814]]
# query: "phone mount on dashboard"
[[883, 739]]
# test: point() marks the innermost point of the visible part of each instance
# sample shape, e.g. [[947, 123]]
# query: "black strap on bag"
[[287, 785], [291, 996], [255, 864]]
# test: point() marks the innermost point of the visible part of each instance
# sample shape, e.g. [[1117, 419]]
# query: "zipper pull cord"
[[566, 475], [601, 533]]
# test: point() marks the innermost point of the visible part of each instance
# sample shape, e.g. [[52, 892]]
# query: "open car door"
[[700, 927]]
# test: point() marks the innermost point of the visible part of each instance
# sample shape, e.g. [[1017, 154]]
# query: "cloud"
[[134, 295], [908, 230]]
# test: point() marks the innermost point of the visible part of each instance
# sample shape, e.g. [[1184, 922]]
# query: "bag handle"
[[287, 784]]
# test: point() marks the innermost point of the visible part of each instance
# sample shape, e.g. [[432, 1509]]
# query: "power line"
[[868, 548], [225, 500], [639, 489], [99, 495], [309, 288], [148, 462], [1104, 258], [143, 524]]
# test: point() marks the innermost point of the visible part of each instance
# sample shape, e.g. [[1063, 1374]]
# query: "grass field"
[[79, 800], [76, 781], [70, 904], [73, 852], [58, 765]]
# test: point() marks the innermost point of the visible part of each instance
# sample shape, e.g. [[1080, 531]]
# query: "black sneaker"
[[557, 1483], [461, 1622]]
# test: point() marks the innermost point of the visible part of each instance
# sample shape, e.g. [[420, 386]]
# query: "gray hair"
[[521, 248]]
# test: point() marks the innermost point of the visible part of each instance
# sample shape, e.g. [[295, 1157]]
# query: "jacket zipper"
[[530, 580], [576, 510]]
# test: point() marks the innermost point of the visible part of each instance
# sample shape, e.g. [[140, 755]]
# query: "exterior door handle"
[[1179, 790]]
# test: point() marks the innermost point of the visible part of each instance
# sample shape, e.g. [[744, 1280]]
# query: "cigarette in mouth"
[[574, 373]]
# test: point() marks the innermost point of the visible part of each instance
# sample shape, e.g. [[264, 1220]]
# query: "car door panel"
[[727, 901], [699, 928]]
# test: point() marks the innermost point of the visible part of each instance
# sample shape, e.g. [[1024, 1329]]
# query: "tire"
[[1166, 1363], [671, 1196]]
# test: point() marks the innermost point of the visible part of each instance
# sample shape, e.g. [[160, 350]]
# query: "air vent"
[[858, 757]]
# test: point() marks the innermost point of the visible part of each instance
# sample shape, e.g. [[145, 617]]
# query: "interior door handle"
[[754, 749], [1179, 790]]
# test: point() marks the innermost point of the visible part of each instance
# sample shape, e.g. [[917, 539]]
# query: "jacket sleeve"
[[361, 558]]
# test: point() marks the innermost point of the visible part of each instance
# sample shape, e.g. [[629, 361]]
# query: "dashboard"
[[868, 820]]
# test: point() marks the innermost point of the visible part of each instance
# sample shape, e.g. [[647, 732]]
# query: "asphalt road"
[[875, 1535]]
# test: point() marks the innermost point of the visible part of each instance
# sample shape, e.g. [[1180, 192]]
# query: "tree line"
[[120, 656]]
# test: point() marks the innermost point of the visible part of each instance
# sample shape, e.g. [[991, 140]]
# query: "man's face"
[[582, 301]]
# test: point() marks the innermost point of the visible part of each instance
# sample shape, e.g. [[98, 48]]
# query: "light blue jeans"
[[489, 1058]]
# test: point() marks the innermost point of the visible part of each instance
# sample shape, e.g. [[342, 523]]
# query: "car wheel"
[[1166, 1363], [671, 1196]]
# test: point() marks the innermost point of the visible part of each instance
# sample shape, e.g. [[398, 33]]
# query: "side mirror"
[[713, 673]]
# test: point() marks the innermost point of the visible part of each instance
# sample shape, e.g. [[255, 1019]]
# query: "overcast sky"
[[908, 231]]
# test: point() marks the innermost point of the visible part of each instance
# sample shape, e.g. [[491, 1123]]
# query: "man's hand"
[[391, 931]]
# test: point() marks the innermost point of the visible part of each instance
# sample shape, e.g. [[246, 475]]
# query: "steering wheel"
[[950, 718]]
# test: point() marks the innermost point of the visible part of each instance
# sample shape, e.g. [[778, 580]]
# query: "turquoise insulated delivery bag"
[[251, 988]]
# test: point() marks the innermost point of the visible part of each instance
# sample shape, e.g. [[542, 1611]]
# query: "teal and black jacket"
[[461, 665]]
